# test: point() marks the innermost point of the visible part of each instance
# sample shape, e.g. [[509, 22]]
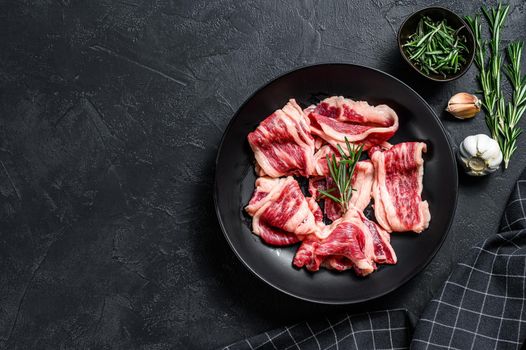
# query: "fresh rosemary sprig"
[[501, 118], [489, 100], [517, 106], [496, 18], [341, 172], [436, 47]]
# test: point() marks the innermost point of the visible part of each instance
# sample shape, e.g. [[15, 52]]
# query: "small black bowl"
[[437, 14]]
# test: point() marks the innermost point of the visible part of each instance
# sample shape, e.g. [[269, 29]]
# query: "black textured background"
[[111, 113]]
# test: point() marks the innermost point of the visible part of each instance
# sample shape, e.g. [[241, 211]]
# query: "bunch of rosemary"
[[502, 118], [341, 172], [436, 47]]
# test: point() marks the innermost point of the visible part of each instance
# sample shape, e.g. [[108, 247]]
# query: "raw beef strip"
[[397, 188], [348, 237], [339, 263], [337, 117], [315, 209], [306, 254], [383, 251], [362, 182], [282, 143], [320, 160], [332, 209], [281, 213], [351, 241], [345, 237]]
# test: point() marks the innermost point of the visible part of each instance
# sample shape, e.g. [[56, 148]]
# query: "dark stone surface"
[[110, 117]]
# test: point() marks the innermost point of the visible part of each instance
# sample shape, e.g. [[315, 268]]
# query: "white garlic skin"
[[480, 155], [463, 105]]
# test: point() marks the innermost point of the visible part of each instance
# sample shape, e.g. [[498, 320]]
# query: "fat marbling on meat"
[[282, 143], [351, 241], [337, 118], [397, 187], [362, 182], [281, 215]]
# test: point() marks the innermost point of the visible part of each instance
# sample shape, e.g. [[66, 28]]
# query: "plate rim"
[[336, 302]]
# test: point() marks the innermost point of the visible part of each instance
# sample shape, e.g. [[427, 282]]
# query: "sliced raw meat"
[[281, 213], [383, 251], [344, 237], [306, 254], [350, 238], [337, 118], [266, 189], [316, 211], [282, 143], [397, 188], [339, 263], [274, 236], [295, 142], [362, 182], [320, 160], [351, 241], [332, 209]]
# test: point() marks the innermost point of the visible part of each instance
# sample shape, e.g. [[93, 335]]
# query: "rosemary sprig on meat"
[[502, 119], [341, 172]]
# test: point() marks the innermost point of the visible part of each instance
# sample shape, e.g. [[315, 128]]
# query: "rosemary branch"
[[484, 77], [517, 106], [496, 18], [341, 172], [502, 118], [490, 76]]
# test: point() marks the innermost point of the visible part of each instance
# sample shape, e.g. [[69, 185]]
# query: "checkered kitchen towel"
[[480, 306]]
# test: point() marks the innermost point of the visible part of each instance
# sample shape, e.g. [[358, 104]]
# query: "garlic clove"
[[469, 146], [487, 149], [494, 162], [463, 105], [490, 150]]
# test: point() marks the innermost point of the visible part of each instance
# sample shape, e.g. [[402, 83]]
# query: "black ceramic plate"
[[235, 178]]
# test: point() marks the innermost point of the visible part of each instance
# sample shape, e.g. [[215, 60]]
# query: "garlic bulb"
[[480, 155], [463, 105]]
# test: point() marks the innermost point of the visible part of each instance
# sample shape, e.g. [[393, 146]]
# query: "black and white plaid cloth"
[[480, 306], [390, 329]]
